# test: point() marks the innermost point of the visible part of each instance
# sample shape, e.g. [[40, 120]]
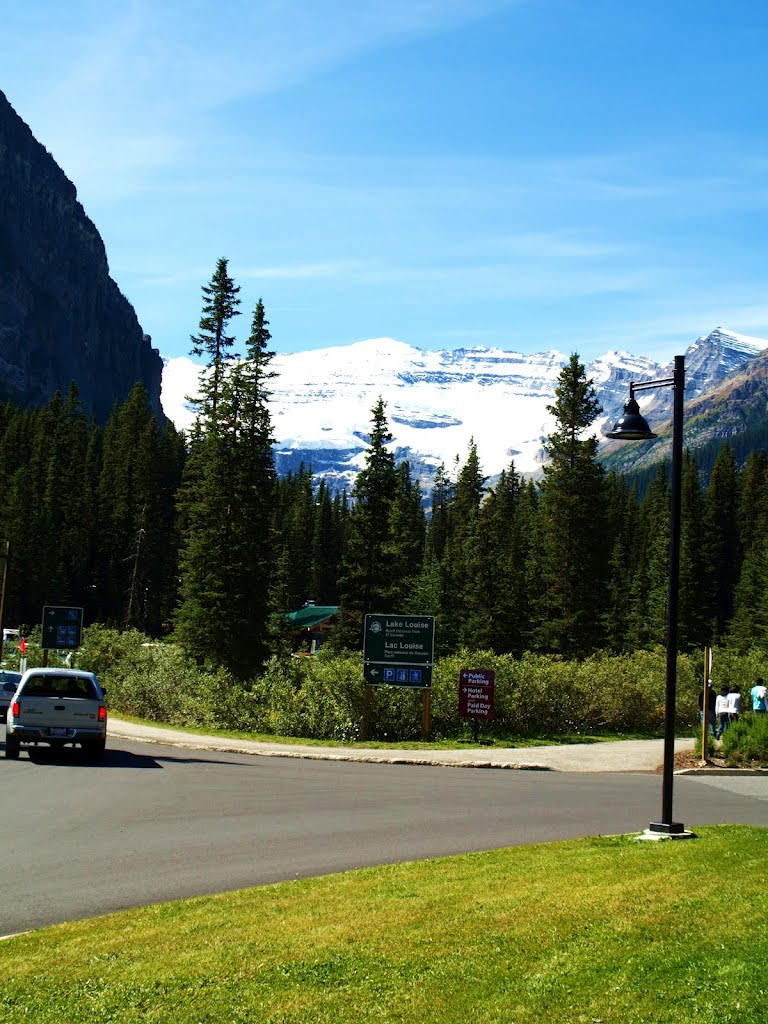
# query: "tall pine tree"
[[366, 572], [572, 509]]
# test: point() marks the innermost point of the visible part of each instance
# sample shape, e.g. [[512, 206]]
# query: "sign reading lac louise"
[[399, 650]]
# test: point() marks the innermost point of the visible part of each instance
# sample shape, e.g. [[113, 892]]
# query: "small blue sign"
[[389, 675], [402, 675], [415, 675]]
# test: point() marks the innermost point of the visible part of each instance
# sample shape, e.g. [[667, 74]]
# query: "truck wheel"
[[12, 748], [95, 749]]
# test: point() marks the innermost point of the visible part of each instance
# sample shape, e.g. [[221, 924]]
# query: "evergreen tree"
[[463, 615], [691, 611], [650, 567], [621, 533], [752, 513], [327, 546], [437, 531], [298, 533], [366, 572], [748, 627], [749, 623], [721, 546], [201, 621], [212, 341], [497, 590], [225, 505], [573, 521], [404, 547]]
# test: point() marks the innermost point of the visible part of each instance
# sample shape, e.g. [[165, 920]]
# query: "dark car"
[[8, 683]]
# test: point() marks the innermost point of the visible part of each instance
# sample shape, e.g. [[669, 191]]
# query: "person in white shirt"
[[722, 713], [734, 704]]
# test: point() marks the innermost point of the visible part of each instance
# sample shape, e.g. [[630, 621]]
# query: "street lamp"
[[633, 427]]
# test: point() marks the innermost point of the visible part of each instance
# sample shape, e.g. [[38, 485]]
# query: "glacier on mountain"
[[438, 401]]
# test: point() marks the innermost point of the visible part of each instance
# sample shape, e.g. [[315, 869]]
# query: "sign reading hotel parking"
[[476, 693], [399, 650], [62, 628]]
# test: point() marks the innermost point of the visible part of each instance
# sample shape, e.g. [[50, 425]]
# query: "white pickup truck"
[[57, 706]]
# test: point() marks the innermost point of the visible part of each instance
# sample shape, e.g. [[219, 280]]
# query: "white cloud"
[[116, 92]]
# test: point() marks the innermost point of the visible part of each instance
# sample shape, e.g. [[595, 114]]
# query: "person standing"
[[759, 695], [721, 712], [710, 708], [734, 704]]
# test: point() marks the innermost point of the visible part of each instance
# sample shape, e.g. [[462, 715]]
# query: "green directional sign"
[[399, 650], [62, 628]]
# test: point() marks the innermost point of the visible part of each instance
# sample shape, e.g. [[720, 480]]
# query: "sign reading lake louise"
[[399, 650]]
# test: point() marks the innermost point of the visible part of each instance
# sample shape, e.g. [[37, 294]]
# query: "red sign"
[[476, 693], [23, 645]]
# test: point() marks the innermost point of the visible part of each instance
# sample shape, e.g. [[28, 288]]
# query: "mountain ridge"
[[437, 401]]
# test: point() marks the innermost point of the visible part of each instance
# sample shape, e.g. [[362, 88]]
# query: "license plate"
[[57, 732]]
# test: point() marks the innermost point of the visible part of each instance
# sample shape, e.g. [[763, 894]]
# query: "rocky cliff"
[[62, 317]]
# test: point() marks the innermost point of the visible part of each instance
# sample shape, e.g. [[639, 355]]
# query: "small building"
[[309, 626]]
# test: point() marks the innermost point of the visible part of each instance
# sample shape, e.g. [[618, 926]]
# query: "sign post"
[[705, 705], [476, 696], [399, 650], [62, 628]]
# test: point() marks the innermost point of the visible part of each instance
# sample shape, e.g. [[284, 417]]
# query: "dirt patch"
[[687, 759]]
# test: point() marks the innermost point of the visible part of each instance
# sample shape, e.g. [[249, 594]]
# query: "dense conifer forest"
[[196, 537]]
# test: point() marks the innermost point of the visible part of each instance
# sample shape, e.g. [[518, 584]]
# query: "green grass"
[[463, 743], [602, 930]]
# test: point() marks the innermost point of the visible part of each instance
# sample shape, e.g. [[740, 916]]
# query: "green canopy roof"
[[312, 615]]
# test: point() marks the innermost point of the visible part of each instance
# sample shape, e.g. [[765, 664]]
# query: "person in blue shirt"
[[759, 695]]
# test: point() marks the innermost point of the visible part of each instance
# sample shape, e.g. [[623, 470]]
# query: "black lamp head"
[[632, 426]]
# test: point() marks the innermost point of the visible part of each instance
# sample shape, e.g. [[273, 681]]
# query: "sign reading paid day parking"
[[476, 686], [399, 650]]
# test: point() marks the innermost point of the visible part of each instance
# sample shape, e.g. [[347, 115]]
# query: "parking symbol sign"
[[389, 675]]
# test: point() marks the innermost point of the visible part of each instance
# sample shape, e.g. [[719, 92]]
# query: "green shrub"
[[157, 681], [322, 697], [746, 741]]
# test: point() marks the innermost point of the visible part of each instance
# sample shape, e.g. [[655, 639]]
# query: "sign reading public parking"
[[62, 628], [476, 686], [399, 650]]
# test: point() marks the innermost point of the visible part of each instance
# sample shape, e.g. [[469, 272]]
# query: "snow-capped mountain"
[[436, 402]]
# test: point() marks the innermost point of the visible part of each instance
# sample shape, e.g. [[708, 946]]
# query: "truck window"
[[59, 686]]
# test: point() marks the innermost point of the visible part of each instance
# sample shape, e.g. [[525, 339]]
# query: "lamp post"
[[633, 427]]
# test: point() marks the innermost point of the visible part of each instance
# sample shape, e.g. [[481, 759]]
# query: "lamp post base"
[[668, 827], [659, 830]]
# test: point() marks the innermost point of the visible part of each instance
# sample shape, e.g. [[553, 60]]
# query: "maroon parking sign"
[[476, 693]]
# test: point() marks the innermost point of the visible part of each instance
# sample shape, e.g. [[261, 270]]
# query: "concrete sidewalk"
[[618, 756]]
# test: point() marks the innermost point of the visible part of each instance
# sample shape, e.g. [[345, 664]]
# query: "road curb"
[[307, 755]]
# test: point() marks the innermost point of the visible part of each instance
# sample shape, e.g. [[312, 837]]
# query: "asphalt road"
[[155, 823]]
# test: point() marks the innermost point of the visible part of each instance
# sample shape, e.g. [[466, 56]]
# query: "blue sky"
[[528, 174]]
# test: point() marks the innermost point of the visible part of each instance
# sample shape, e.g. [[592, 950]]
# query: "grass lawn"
[[466, 743], [589, 931]]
